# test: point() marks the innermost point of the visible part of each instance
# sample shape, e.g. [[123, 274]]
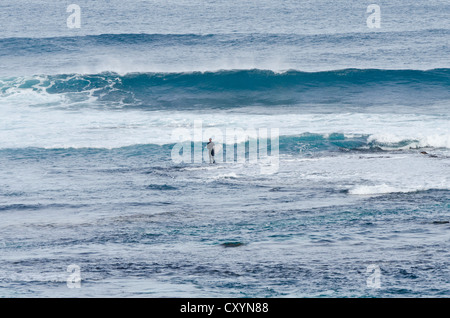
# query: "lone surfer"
[[210, 146]]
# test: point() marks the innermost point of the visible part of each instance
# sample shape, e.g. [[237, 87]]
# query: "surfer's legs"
[[211, 158]]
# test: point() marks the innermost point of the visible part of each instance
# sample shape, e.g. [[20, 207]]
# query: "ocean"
[[335, 181]]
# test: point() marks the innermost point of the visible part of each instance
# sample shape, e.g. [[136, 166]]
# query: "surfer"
[[210, 146]]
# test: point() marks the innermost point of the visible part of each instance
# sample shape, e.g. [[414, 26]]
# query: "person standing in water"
[[210, 145]]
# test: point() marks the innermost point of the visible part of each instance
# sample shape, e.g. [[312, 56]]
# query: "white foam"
[[381, 189], [33, 118], [387, 189], [417, 140], [28, 97], [213, 167], [231, 175]]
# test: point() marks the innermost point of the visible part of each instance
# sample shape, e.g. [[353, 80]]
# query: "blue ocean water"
[[87, 174]]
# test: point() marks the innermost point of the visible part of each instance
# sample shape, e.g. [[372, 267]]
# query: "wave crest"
[[233, 88]]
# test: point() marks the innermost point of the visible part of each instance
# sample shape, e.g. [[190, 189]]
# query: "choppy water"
[[86, 138]]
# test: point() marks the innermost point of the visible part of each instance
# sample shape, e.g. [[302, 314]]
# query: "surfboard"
[[217, 148]]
